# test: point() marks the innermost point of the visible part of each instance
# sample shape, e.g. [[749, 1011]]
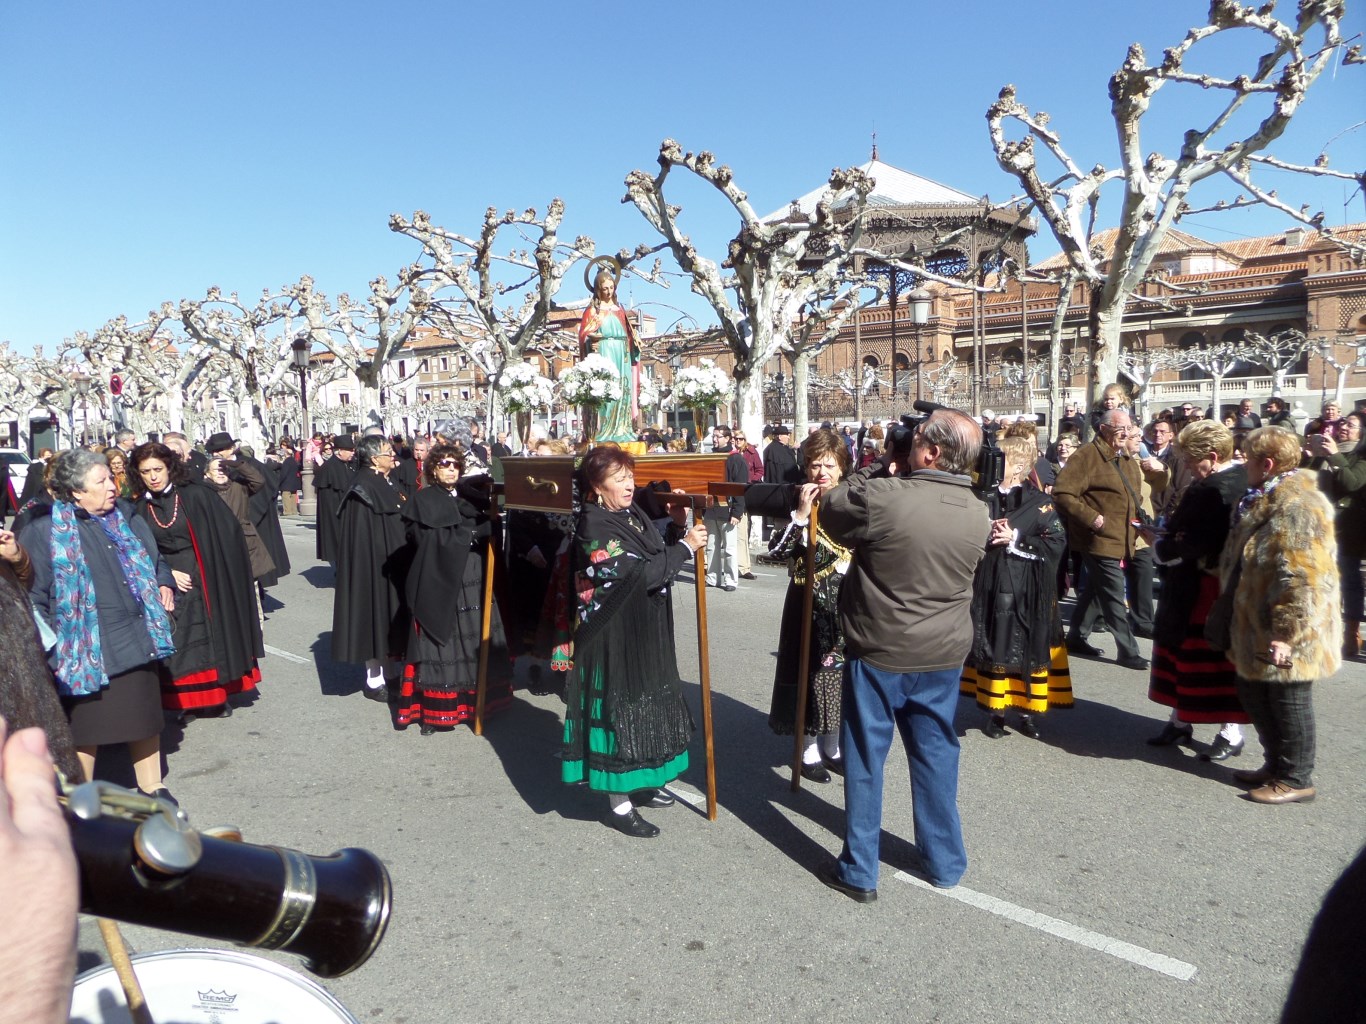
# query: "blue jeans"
[[922, 705]]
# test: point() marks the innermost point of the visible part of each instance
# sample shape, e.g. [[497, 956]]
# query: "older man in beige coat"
[[1098, 494]]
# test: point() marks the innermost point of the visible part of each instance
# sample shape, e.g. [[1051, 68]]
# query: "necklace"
[[175, 513]]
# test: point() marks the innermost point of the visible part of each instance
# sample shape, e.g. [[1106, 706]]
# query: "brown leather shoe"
[[1253, 778], [1278, 792]]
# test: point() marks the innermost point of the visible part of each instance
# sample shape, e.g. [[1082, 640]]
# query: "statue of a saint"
[[607, 330]]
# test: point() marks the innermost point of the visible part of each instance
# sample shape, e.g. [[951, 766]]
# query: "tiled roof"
[[1276, 245], [1174, 242], [891, 187]]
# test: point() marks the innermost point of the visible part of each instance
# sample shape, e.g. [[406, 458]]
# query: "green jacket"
[[1347, 492]]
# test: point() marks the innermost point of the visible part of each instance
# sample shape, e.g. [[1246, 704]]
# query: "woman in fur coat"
[[1287, 625]]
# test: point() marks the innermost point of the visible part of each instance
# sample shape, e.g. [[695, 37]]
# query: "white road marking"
[[687, 796], [1167, 965], [287, 656]]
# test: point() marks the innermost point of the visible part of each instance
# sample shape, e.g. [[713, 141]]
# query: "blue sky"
[[150, 150]]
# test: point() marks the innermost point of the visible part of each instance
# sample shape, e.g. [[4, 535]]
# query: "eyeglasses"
[[384, 455], [448, 464]]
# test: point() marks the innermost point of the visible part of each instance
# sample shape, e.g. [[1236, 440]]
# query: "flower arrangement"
[[593, 381], [647, 395], [523, 389], [702, 386]]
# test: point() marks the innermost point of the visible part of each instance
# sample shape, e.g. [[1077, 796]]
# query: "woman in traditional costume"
[[217, 633], [101, 587], [370, 617], [449, 528], [826, 461], [627, 726], [1189, 676], [1018, 658], [607, 330]]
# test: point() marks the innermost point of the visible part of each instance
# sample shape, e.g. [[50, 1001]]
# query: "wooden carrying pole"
[[698, 503], [485, 628], [804, 652]]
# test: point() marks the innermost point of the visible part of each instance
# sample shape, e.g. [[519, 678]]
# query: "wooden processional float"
[[546, 484]]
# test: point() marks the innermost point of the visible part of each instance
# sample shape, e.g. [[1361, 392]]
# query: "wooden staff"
[[698, 502], [804, 652], [704, 676], [485, 628]]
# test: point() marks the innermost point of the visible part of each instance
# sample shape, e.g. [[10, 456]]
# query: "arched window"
[[1013, 354], [903, 361], [871, 360]]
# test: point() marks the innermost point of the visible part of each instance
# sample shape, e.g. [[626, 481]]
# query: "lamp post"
[[83, 389], [675, 364], [301, 347], [920, 301]]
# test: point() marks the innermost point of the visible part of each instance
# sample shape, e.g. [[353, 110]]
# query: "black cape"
[[267, 520], [1195, 536], [369, 614], [442, 529], [1015, 620], [215, 623], [331, 480]]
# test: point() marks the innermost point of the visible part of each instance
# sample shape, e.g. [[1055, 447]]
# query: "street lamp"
[[920, 301], [301, 347], [83, 389], [675, 364]]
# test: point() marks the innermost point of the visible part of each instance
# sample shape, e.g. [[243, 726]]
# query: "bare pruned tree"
[[503, 299], [1281, 353], [1156, 186], [1141, 365], [772, 268]]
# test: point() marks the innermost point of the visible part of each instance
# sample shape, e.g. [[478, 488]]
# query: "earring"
[[599, 500]]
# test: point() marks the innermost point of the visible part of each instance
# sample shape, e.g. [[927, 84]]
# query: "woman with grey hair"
[[108, 653], [369, 615]]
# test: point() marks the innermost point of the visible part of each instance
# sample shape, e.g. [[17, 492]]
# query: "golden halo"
[[610, 262]]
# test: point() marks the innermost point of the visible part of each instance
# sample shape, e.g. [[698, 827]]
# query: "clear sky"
[[149, 150]]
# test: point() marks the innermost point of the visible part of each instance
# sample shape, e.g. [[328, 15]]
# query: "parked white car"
[[16, 465]]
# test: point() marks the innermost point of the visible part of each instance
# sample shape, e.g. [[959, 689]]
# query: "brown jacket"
[[1289, 587], [905, 604], [1090, 485]]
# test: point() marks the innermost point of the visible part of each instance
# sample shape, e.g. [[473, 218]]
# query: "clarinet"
[[141, 862]]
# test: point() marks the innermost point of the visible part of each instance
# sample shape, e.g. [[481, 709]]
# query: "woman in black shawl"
[[1189, 676], [825, 460], [1018, 658], [626, 726], [449, 528], [369, 613], [216, 629]]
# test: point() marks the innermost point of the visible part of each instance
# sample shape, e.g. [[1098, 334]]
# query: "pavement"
[[1108, 880]]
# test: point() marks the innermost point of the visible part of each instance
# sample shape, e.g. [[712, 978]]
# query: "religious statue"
[[606, 330]]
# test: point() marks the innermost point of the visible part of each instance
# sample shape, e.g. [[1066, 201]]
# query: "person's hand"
[[696, 538], [1152, 465], [679, 512], [734, 520], [167, 598], [9, 547], [38, 886], [806, 497], [1281, 654], [1324, 444], [1148, 533], [183, 580], [1000, 532], [1098, 524], [535, 557]]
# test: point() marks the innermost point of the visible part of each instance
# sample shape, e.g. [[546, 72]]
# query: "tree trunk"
[[801, 399], [749, 400], [1106, 345]]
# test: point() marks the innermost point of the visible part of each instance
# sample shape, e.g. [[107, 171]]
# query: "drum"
[[207, 986]]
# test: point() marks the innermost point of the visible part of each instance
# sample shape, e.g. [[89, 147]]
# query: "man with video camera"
[[917, 532]]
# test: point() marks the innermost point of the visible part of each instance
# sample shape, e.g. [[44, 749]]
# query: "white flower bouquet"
[[702, 386], [591, 381], [522, 389], [647, 395]]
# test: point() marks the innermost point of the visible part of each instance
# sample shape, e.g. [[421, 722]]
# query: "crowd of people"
[[137, 573]]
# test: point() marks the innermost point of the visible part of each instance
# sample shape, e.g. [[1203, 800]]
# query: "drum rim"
[[238, 956]]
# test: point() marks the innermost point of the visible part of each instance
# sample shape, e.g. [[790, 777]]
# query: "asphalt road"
[[1109, 880]]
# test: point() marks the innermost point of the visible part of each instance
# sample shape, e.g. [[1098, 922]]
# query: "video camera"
[[991, 461]]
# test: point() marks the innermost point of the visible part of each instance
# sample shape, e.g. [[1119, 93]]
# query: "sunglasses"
[[448, 464]]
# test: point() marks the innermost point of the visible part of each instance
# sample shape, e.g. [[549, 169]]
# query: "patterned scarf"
[[80, 660], [1253, 495]]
